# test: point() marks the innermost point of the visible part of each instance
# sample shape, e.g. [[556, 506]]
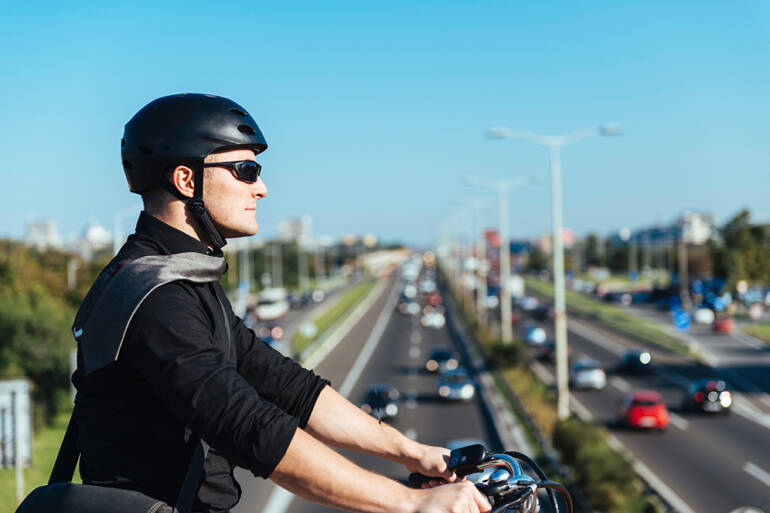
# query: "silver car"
[[587, 373]]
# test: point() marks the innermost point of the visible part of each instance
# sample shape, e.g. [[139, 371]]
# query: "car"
[[542, 313], [433, 317], [547, 351], [535, 335], [270, 333], [708, 395], [456, 385], [409, 307], [635, 361], [644, 409], [381, 400], [273, 304], [587, 374], [723, 324], [704, 316], [442, 359]]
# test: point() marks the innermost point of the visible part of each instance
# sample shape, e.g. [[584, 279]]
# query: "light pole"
[[502, 187], [554, 143]]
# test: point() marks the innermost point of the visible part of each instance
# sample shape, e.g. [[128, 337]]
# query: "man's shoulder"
[[101, 322]]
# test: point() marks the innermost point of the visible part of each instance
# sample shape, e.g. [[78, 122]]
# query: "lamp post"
[[502, 187], [554, 144]]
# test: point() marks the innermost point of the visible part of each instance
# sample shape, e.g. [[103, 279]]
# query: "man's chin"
[[242, 232]]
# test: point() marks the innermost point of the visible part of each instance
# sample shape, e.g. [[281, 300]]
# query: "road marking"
[[748, 340], [416, 337], [323, 348], [651, 478], [580, 410], [596, 337], [621, 384], [743, 407], [411, 399], [280, 498], [757, 472], [542, 373], [411, 434], [678, 421], [414, 352], [371, 344]]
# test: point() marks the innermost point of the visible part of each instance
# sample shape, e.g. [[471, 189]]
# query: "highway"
[[399, 345], [709, 463]]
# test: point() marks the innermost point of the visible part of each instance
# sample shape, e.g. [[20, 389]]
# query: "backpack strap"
[[67, 459]]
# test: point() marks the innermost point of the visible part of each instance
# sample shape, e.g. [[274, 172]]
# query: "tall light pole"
[[554, 144], [503, 187]]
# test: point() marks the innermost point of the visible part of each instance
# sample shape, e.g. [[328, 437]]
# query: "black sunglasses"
[[244, 170]]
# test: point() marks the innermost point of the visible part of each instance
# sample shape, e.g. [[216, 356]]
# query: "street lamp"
[[502, 187], [555, 143]]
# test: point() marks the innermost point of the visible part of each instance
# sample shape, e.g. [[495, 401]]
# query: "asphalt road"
[[713, 463], [398, 359]]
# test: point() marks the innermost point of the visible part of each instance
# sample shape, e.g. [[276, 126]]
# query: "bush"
[[502, 355], [604, 474]]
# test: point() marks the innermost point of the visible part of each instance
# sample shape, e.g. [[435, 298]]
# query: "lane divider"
[[280, 498], [758, 473]]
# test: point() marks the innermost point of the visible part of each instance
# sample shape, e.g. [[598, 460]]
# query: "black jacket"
[[178, 369]]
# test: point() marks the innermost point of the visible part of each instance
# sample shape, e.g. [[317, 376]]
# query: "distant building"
[[696, 227], [42, 234], [296, 230], [95, 238]]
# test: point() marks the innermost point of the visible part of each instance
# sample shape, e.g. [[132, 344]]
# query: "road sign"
[[682, 320]]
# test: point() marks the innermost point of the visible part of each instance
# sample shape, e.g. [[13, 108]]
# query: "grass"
[[760, 330], [327, 319], [613, 318], [45, 447]]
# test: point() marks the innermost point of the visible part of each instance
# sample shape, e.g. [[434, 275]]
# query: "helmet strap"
[[198, 209]]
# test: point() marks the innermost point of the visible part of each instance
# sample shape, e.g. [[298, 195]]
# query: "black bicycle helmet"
[[182, 129]]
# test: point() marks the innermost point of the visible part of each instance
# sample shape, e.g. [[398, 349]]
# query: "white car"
[[535, 336], [273, 304], [587, 374]]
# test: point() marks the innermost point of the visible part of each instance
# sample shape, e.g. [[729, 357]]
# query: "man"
[[161, 356]]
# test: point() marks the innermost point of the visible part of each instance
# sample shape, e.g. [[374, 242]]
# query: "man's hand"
[[460, 497], [431, 461]]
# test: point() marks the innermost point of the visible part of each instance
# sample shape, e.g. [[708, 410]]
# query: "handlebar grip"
[[416, 480]]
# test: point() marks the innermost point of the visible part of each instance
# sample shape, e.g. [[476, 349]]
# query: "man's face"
[[231, 203]]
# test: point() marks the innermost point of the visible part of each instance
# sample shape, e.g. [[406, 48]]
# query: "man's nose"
[[260, 189]]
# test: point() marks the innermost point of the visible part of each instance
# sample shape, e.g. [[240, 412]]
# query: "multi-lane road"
[[384, 346], [702, 463]]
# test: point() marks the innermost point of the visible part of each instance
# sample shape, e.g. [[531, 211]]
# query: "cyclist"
[[161, 354]]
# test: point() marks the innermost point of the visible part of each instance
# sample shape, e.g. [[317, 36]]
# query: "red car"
[[723, 324], [644, 409]]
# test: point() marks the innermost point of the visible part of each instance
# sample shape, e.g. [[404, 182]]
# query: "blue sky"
[[375, 111]]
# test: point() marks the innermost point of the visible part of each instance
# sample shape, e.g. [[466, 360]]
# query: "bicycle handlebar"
[[508, 489]]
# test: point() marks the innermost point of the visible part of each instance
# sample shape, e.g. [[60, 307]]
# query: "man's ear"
[[183, 178]]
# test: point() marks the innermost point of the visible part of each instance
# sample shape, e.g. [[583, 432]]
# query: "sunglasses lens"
[[248, 171]]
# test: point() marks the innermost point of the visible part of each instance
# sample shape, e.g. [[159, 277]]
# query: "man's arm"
[[336, 421], [315, 472]]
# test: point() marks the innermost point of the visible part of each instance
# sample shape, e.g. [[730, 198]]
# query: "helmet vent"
[[127, 165], [238, 111], [145, 150], [246, 129]]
